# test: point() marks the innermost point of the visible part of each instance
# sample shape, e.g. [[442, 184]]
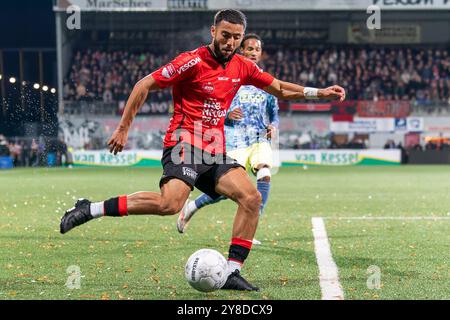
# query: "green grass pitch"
[[144, 257]]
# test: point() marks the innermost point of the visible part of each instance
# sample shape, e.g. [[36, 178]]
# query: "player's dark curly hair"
[[232, 16], [251, 36]]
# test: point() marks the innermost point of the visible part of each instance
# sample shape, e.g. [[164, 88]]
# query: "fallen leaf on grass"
[[139, 244], [155, 278], [106, 296], [44, 279], [284, 281]]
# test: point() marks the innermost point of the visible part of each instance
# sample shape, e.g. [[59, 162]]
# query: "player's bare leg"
[[237, 186], [169, 202]]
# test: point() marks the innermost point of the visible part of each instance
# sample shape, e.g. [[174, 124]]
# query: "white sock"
[[233, 266], [191, 208], [97, 209]]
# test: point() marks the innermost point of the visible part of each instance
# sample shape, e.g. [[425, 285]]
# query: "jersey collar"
[[214, 57]]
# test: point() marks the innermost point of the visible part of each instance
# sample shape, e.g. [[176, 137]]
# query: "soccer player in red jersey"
[[204, 83]]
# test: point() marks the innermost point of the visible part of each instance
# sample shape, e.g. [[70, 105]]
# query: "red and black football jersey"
[[203, 90]]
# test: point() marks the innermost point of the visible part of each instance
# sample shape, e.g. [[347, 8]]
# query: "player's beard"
[[219, 54]]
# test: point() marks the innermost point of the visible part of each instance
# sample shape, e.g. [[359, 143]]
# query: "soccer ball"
[[206, 270]]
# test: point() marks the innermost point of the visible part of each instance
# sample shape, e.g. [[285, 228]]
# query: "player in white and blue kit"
[[251, 123]]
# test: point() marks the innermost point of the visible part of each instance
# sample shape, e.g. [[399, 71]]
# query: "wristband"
[[310, 93]]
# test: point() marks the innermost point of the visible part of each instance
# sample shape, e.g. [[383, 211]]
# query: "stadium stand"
[[398, 73], [109, 76], [404, 73]]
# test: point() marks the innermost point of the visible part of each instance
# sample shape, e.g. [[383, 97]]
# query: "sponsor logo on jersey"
[[212, 112], [189, 65], [168, 71], [236, 80], [223, 78], [208, 87], [188, 172], [212, 104]]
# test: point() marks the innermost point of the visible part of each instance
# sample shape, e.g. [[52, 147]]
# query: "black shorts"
[[196, 167]]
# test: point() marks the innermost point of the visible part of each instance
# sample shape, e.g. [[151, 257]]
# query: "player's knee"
[[258, 199], [252, 201], [169, 208]]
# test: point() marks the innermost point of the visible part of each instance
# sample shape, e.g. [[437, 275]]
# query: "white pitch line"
[[328, 271], [386, 218]]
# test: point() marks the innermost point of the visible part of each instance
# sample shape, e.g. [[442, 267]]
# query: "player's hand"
[[332, 93], [236, 114], [118, 140], [271, 131]]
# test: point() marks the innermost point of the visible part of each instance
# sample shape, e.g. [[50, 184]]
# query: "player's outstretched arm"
[[290, 91], [135, 102]]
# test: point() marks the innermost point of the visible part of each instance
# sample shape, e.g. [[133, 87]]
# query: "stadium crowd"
[[370, 74], [421, 75], [110, 76]]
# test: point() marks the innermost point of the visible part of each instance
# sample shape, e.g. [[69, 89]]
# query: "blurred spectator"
[[357, 143], [34, 158], [64, 156], [431, 146], [26, 154], [304, 141], [390, 144], [404, 154], [15, 150], [4, 148], [416, 147]]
